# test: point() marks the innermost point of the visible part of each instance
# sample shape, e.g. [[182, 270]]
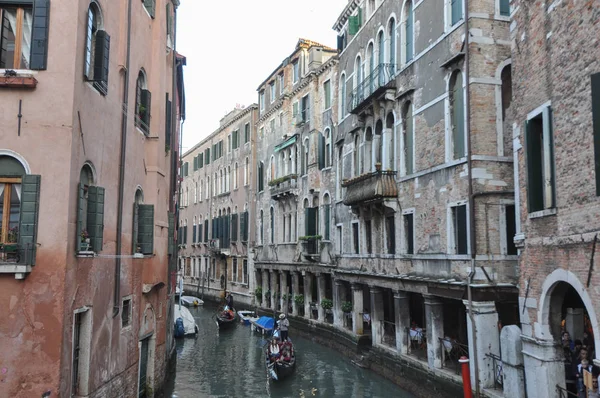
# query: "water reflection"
[[228, 363]]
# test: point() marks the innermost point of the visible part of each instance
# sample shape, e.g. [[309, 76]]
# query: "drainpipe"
[[473, 240], [124, 118], [175, 161]]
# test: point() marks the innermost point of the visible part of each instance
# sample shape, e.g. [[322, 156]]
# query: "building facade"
[[86, 182], [424, 210], [556, 142], [216, 203], [294, 244]]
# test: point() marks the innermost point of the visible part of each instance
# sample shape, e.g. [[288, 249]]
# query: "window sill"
[[86, 253], [25, 82], [542, 213], [19, 270]]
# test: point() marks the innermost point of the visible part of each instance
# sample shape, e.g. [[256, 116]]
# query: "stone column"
[[339, 294], [574, 322], [307, 294], [512, 362], [265, 286], [485, 318], [284, 290], [544, 367], [357, 304], [434, 318], [402, 317], [274, 289], [295, 291], [320, 296], [376, 315]]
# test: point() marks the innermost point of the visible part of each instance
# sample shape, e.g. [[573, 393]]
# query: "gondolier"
[[284, 325], [229, 300]]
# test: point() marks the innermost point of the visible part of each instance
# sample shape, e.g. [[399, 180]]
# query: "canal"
[[229, 363]]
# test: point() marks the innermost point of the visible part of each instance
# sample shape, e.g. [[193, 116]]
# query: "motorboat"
[[247, 316], [184, 320], [191, 301]]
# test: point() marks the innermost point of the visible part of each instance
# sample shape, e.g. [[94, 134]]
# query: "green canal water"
[[229, 363]]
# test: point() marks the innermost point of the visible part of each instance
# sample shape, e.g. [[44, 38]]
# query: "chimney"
[[315, 58]]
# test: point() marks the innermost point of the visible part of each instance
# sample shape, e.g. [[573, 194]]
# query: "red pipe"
[[466, 376]]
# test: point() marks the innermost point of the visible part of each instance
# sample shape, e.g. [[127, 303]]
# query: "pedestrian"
[[284, 324], [581, 388]]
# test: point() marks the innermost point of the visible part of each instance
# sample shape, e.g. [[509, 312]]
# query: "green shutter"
[[135, 230], [295, 109], [206, 230], [596, 126], [185, 240], [150, 7], [81, 216], [458, 117], [101, 60], [28, 218], [95, 217], [146, 102], [535, 184], [310, 221], [200, 232], [551, 157], [168, 123], [171, 247], [234, 227], [243, 234], [409, 32], [505, 8], [39, 35], [186, 167], [321, 151], [169, 20], [201, 160], [195, 163], [146, 228], [194, 236]]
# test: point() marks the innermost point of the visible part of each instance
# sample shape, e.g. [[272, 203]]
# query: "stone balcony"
[[373, 86], [283, 187], [370, 188]]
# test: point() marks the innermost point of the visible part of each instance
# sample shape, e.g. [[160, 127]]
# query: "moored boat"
[[191, 301], [185, 324], [247, 316]]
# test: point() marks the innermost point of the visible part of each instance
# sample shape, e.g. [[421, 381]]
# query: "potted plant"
[[347, 307], [85, 236], [299, 300], [13, 234], [267, 295], [326, 304], [285, 298], [378, 166], [258, 293]]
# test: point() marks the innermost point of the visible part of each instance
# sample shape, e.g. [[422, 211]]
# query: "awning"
[[286, 143]]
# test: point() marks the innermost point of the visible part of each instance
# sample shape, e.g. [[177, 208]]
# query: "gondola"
[[225, 321], [279, 369]]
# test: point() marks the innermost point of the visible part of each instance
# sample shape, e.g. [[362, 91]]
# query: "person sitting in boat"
[[274, 352], [227, 313], [229, 299], [284, 324], [286, 353]]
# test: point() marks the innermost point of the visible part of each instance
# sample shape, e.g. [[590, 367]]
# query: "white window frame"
[[548, 161], [85, 340], [272, 91], [450, 232], [354, 249], [339, 238], [404, 246]]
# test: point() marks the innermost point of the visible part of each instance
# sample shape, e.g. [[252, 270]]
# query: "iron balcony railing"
[[389, 333], [498, 373], [283, 186], [564, 393], [14, 253], [383, 76], [452, 350], [370, 187]]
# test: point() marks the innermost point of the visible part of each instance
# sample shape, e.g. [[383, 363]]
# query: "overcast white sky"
[[232, 46]]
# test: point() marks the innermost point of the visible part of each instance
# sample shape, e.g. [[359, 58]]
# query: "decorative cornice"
[[273, 108], [348, 10]]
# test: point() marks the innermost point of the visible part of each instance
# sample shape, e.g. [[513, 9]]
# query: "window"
[[368, 236], [510, 229], [295, 71], [390, 234], [392, 51], [596, 125], [409, 233], [272, 211], [262, 229], [457, 114], [408, 138], [326, 217], [199, 233], [339, 243], [245, 271], [355, 22], [244, 225], [281, 83], [150, 6], [339, 172], [246, 133], [90, 213], [408, 32], [206, 229], [355, 238], [235, 176], [207, 156], [194, 231], [305, 157], [327, 94], [540, 160], [143, 225], [80, 357], [261, 101], [455, 11], [234, 269], [24, 34], [356, 155], [327, 147], [272, 168], [458, 235], [272, 92], [272, 126], [246, 171], [260, 177], [504, 6], [126, 313], [229, 144], [142, 104], [305, 108], [342, 95], [236, 139], [97, 48]]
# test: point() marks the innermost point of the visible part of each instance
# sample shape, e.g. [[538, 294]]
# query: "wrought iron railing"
[[369, 187], [389, 333], [564, 393], [452, 350], [284, 187], [498, 372], [416, 341], [14, 253], [382, 76]]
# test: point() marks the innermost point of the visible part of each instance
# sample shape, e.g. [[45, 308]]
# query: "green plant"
[[326, 304], [84, 235], [285, 297], [259, 294], [279, 180], [347, 306], [267, 295], [299, 300], [310, 237], [13, 234]]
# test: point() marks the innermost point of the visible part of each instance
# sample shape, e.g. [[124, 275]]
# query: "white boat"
[[247, 316], [191, 301], [190, 327]]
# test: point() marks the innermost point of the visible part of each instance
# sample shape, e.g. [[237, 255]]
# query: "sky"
[[233, 46]]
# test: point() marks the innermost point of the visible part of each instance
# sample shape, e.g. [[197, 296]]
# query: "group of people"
[[578, 354], [228, 310], [280, 347]]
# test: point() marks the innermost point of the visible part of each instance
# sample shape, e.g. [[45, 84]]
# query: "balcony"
[[283, 187], [370, 188], [17, 259], [372, 86]]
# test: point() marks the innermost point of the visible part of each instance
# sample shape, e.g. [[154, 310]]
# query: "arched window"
[[327, 147], [342, 95], [407, 31], [358, 79], [262, 230], [195, 192], [392, 50], [390, 126], [381, 52], [272, 168], [200, 185], [194, 236], [272, 225], [142, 103], [12, 173], [408, 137], [356, 155], [235, 176], [97, 48], [207, 187], [457, 114], [326, 216], [90, 215], [246, 171], [305, 157], [339, 173], [367, 162], [371, 60], [228, 182], [378, 143]]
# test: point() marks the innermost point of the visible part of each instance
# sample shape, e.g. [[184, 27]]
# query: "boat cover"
[[265, 322], [189, 323]]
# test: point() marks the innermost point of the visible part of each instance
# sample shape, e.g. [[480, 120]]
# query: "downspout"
[[124, 118], [472, 226], [175, 119]]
